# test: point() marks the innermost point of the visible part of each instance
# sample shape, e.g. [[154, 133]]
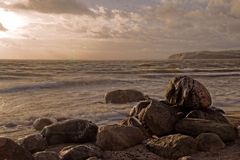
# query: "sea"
[[30, 89]]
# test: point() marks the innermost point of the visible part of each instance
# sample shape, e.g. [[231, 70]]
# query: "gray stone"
[[40, 123], [70, 131], [124, 96], [46, 155], [9, 150], [33, 143], [117, 137], [172, 146]]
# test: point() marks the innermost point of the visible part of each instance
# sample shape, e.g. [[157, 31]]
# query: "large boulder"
[[194, 127], [124, 96], [172, 146], [46, 155], [188, 93], [117, 137], [138, 152], [209, 142], [208, 114], [40, 123], [33, 143], [9, 150], [80, 152], [70, 131], [156, 116]]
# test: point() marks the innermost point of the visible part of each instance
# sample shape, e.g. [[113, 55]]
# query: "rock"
[[9, 150], [33, 143], [138, 152], [117, 137], [80, 152], [40, 123], [194, 127], [10, 125], [124, 96], [138, 107], [186, 158], [70, 131], [134, 122], [208, 114], [188, 93], [46, 155], [158, 118], [209, 142], [93, 158], [172, 146]]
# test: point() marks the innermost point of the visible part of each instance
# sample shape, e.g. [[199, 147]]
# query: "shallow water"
[[31, 89]]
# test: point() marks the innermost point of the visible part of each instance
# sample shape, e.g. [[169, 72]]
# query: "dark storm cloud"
[[2, 28], [54, 6]]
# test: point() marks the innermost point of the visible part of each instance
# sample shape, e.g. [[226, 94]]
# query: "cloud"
[[2, 28], [53, 6]]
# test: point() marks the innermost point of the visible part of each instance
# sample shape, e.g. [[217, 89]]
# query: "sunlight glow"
[[11, 21]]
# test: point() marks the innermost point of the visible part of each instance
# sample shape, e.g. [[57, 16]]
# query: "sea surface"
[[76, 89]]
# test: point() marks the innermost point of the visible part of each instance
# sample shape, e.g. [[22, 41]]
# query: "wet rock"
[[186, 158], [46, 155], [194, 127], [124, 96], [138, 107], [33, 143], [134, 122], [70, 131], [9, 150], [117, 137], [80, 152], [172, 146], [208, 114], [209, 142], [10, 125], [93, 158], [40, 123], [158, 118], [188, 93], [138, 152]]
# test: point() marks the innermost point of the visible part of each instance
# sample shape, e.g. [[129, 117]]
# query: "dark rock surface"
[[117, 137], [70, 131], [40, 123], [46, 155]]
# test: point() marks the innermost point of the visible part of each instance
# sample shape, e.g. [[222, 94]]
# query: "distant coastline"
[[227, 54]]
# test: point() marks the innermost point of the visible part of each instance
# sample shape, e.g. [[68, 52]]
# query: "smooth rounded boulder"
[[188, 93], [46, 155], [40, 123], [80, 152], [124, 96], [10, 150], [157, 117], [194, 127], [209, 142], [33, 143], [208, 114], [118, 137], [172, 146], [70, 131]]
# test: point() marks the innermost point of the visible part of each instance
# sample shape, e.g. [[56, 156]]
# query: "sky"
[[116, 29]]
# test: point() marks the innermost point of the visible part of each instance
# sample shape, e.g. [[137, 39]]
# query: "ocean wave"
[[60, 85], [194, 74]]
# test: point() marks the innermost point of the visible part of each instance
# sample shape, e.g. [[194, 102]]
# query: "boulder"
[[194, 127], [80, 152], [70, 131], [183, 91], [186, 158], [158, 118], [46, 155], [209, 142], [139, 107], [117, 137], [40, 123], [138, 152], [33, 143], [208, 114], [172, 146], [124, 96], [9, 150]]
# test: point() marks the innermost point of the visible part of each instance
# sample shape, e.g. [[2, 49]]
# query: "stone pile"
[[174, 128]]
